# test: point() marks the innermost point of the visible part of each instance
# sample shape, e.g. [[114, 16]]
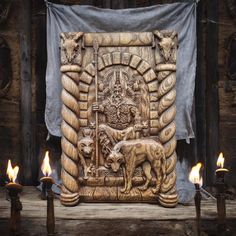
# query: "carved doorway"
[[118, 128]]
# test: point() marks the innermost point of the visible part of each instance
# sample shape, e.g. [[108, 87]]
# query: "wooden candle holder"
[[16, 206], [221, 207], [47, 185], [197, 199]]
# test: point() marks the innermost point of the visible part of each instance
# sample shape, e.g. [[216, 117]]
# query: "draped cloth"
[[180, 17]]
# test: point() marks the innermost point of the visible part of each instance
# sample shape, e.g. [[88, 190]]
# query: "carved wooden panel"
[[118, 128]]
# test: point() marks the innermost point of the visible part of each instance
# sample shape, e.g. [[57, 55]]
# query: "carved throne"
[[118, 117]]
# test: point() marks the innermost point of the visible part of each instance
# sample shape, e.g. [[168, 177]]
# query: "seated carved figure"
[[121, 115], [132, 153]]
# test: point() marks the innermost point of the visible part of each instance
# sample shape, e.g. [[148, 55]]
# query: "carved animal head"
[[86, 144], [166, 44], [114, 160], [70, 45]]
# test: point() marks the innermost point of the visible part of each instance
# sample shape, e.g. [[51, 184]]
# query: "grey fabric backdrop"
[[178, 16]]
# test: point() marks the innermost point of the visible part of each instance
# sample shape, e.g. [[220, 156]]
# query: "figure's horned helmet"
[[117, 76], [118, 79]]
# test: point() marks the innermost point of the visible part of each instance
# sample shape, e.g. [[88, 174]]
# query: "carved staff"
[[96, 47]]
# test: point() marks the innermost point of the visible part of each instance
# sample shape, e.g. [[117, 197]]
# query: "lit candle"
[[220, 184], [13, 190], [195, 178], [220, 164], [47, 182], [194, 175]]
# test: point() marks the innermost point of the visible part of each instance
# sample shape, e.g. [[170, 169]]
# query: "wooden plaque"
[[118, 128]]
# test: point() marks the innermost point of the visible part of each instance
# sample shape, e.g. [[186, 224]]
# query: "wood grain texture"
[[167, 44], [34, 207], [119, 39], [212, 101], [227, 112], [27, 119], [127, 60], [70, 119]]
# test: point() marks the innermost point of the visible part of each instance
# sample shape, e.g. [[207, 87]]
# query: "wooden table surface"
[[34, 207]]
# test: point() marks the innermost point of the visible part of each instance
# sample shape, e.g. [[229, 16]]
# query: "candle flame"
[[12, 172], [220, 160], [194, 175], [46, 168]]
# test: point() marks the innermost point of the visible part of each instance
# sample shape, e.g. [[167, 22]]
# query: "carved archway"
[[125, 59]]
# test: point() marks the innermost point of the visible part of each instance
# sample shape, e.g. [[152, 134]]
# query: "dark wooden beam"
[[155, 2], [40, 62], [200, 88], [85, 2], [212, 100], [106, 3], [29, 161], [118, 4], [131, 3]]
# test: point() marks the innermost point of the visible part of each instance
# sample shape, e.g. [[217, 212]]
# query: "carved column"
[[71, 67], [166, 42]]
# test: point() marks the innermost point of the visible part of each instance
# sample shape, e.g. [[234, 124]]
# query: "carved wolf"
[[86, 150], [131, 153]]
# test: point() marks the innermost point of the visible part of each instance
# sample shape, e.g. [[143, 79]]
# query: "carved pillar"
[[166, 42], [71, 67]]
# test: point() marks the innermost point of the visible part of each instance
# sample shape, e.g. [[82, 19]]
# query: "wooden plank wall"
[[10, 135], [10, 114], [227, 113]]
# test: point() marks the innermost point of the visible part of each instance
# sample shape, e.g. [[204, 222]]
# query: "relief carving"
[[167, 45], [118, 115], [121, 117], [132, 153], [70, 120], [86, 151], [71, 48]]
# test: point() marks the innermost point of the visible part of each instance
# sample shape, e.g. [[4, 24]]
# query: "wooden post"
[[29, 160], [212, 100]]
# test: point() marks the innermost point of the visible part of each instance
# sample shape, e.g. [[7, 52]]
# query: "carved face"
[[85, 146], [114, 160], [166, 46], [117, 90]]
